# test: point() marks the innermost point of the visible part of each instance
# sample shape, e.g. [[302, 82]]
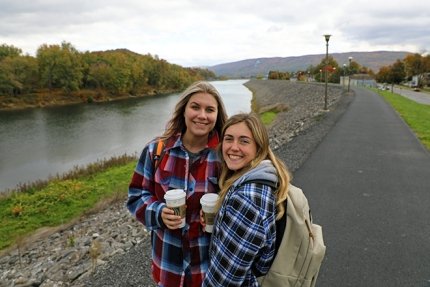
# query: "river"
[[42, 142]]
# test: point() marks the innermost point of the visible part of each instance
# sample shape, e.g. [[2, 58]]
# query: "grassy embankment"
[[416, 115], [61, 200], [269, 113]]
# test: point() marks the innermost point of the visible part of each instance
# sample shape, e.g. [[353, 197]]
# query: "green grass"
[[60, 201], [268, 117], [416, 115]]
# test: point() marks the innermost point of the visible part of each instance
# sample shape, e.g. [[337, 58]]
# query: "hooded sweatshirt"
[[243, 240]]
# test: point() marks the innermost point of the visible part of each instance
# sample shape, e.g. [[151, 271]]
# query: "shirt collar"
[[176, 141]]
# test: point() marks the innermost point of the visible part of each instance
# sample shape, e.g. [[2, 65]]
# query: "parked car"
[[383, 87]]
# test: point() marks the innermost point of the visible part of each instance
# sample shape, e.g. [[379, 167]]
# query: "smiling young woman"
[[244, 232], [190, 163]]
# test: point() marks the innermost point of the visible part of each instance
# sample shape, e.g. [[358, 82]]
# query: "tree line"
[[317, 73], [413, 65], [62, 68]]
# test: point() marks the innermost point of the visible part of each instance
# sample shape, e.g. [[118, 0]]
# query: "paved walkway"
[[368, 184]]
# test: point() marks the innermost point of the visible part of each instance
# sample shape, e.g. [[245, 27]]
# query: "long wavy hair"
[[177, 122], [261, 138]]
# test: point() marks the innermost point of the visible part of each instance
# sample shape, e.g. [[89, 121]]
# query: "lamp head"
[[327, 37]]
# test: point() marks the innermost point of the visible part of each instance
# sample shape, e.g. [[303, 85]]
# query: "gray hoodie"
[[264, 171]]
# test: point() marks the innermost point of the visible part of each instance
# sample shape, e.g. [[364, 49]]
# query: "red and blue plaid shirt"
[[179, 257]]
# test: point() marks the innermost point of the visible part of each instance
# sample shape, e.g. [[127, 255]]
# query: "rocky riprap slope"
[[301, 104], [72, 252], [109, 248]]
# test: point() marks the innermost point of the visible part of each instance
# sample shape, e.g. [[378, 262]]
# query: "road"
[[420, 97], [368, 184]]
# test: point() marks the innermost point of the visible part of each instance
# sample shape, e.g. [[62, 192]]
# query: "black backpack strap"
[[159, 153], [282, 222]]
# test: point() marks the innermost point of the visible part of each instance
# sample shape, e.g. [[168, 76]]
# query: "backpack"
[[301, 251]]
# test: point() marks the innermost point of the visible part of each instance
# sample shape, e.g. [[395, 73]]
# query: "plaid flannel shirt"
[[179, 257], [243, 240]]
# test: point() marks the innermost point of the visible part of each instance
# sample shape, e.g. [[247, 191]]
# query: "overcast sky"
[[206, 33]]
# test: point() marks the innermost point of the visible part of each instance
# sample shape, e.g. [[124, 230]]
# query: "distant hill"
[[261, 66]]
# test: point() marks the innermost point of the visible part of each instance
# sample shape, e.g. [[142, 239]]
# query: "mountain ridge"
[[249, 68]]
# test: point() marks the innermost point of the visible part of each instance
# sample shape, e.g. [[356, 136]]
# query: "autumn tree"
[[100, 75], [383, 75], [415, 65], [332, 67], [18, 74], [397, 72], [60, 66], [138, 78], [393, 74], [178, 78], [9, 51], [277, 75], [426, 79], [117, 68]]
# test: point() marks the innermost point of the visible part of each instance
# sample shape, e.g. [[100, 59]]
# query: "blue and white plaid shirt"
[[243, 240]]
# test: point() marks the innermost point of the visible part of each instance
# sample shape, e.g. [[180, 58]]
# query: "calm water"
[[37, 143]]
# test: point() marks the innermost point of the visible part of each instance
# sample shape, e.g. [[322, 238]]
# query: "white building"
[[363, 80]]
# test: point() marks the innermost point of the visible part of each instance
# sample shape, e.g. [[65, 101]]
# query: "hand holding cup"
[[175, 201], [208, 202]]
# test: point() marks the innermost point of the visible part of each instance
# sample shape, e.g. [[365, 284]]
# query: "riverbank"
[[110, 248], [53, 98]]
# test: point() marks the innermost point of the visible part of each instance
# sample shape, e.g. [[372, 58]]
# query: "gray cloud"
[[204, 32]]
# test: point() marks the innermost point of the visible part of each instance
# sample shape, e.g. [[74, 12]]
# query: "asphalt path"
[[368, 185]]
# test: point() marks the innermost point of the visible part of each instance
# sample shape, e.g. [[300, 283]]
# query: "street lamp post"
[[327, 38], [349, 73], [344, 74]]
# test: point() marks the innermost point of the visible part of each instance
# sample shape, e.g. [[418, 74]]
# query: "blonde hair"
[[177, 123], [261, 138]]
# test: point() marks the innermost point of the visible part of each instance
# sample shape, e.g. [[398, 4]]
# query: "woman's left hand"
[[169, 218]]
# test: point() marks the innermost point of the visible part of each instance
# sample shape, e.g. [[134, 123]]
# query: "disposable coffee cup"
[[208, 202], [175, 200]]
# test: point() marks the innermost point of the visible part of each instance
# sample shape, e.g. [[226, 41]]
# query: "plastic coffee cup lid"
[[174, 194], [209, 199]]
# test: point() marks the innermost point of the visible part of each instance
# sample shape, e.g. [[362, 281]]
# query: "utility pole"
[[327, 38], [349, 72]]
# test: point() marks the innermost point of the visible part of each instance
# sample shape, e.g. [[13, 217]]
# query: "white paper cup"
[[208, 202], [175, 199]]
